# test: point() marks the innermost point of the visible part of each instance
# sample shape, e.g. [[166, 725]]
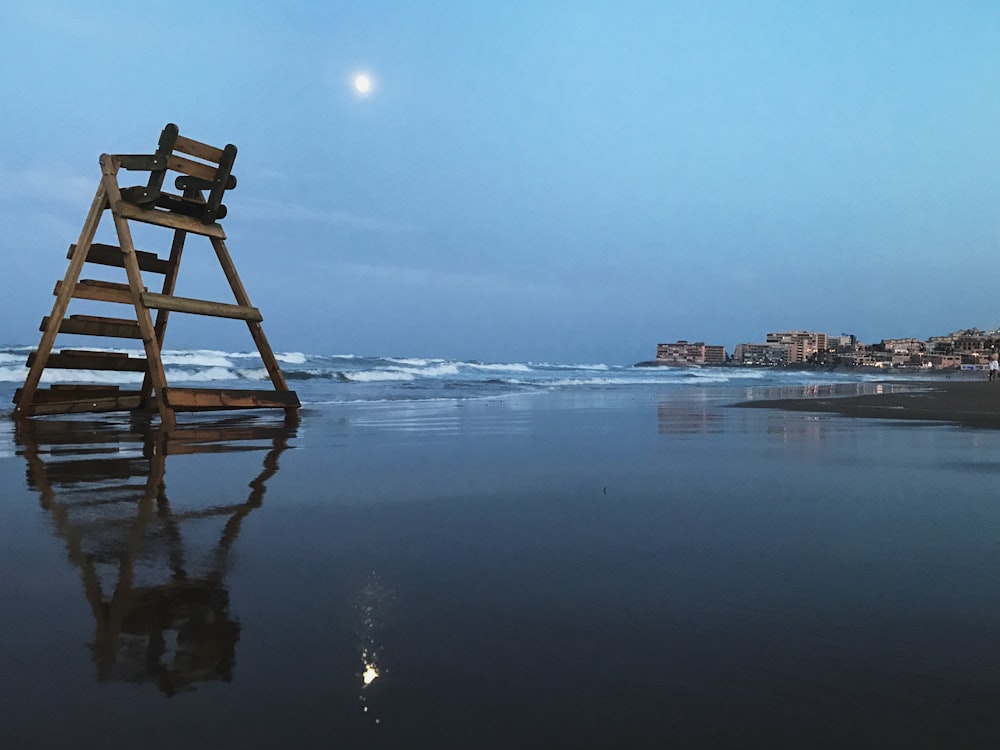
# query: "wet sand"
[[973, 404], [637, 569]]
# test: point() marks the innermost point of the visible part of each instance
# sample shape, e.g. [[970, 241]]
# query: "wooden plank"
[[197, 149], [71, 359], [102, 387], [154, 364], [205, 212], [189, 166], [200, 307], [100, 202], [111, 255], [256, 330], [167, 219], [202, 399], [169, 284], [92, 325], [102, 291], [82, 401]]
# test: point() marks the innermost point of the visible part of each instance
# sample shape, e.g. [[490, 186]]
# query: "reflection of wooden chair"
[[164, 621], [205, 174]]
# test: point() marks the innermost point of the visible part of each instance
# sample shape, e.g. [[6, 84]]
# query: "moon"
[[362, 84]]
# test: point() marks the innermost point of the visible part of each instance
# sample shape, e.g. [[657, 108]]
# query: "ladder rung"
[[200, 307], [92, 325], [74, 359], [111, 255], [103, 291], [170, 220], [198, 399], [80, 400], [77, 387]]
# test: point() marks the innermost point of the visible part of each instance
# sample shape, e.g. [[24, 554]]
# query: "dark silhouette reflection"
[[678, 417], [162, 612]]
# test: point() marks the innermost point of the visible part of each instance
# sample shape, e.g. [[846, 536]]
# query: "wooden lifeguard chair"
[[205, 174]]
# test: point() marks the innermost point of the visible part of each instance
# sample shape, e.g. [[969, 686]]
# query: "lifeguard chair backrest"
[[202, 168]]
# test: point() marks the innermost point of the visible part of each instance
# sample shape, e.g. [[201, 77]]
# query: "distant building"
[[761, 355], [903, 346], [845, 342], [944, 360], [687, 353], [801, 345]]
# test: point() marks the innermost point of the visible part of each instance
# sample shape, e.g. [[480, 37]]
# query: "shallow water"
[[625, 567]]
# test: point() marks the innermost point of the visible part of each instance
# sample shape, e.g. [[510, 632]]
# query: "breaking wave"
[[353, 377]]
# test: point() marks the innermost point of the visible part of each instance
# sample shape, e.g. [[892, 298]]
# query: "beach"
[[974, 403], [608, 565]]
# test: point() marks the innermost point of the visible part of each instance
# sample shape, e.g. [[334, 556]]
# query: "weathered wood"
[[189, 207], [187, 182], [169, 283], [102, 291], [92, 325], [154, 363], [142, 162], [203, 399], [170, 220], [256, 331], [215, 210], [111, 255], [191, 167], [208, 170], [197, 149], [75, 359], [200, 307], [61, 302], [141, 195], [77, 387], [80, 401]]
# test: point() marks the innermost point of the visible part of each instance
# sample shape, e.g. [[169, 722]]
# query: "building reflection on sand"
[[161, 609]]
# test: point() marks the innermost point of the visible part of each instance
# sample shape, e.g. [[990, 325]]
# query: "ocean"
[[453, 554], [343, 378]]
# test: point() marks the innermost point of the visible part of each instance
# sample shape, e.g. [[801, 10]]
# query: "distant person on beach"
[[994, 367]]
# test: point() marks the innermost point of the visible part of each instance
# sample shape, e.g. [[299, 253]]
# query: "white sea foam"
[[437, 371], [51, 375], [175, 374], [569, 382], [15, 374], [7, 359], [557, 366], [411, 361], [255, 374], [516, 367], [196, 358], [376, 376]]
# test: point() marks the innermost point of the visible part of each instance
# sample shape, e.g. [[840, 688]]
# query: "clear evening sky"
[[529, 180]]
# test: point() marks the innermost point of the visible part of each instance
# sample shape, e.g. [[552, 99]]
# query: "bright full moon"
[[362, 84]]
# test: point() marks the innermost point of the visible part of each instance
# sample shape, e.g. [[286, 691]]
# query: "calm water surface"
[[633, 567]]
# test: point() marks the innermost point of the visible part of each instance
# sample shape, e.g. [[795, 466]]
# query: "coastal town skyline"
[[968, 347]]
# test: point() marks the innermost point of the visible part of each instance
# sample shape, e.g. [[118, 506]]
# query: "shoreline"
[[967, 403]]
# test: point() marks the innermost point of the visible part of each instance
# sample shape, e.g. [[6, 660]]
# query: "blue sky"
[[560, 181]]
